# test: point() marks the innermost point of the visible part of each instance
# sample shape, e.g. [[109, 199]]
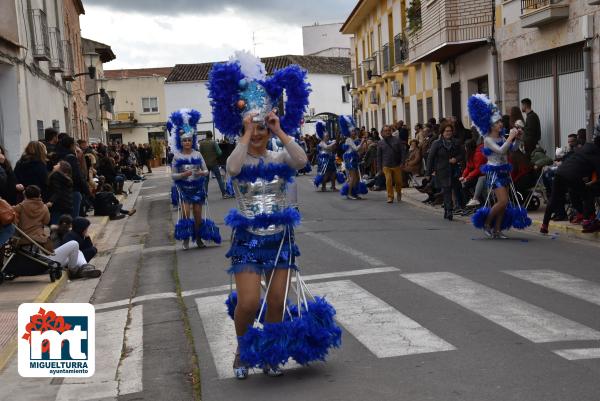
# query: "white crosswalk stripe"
[[561, 282], [110, 327], [378, 326], [532, 322], [579, 353]]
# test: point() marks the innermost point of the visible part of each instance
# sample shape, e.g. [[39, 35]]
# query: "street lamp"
[[371, 65], [92, 59], [348, 82]]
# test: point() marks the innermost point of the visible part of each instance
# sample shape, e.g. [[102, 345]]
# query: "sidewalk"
[[39, 289], [556, 228]]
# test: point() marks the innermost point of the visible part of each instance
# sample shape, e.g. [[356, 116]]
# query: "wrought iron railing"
[[385, 55], [57, 57], [532, 5], [69, 69], [400, 48], [40, 45]]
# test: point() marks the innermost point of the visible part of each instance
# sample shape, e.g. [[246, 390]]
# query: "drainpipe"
[[589, 85], [494, 53]]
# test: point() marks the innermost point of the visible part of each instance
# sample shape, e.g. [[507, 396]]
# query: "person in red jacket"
[[472, 177]]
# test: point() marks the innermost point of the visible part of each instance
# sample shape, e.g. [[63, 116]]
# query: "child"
[[79, 233], [33, 216], [106, 204], [58, 232]]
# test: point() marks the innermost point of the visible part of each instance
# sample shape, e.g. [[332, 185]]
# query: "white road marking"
[[347, 249], [378, 326], [144, 188], [223, 288], [158, 195], [561, 282], [130, 371], [579, 353], [109, 342], [220, 334], [534, 323]]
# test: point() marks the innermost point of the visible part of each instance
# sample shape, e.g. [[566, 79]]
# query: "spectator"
[[413, 163], [148, 156], [460, 132], [9, 188], [211, 151], [573, 175], [58, 232], [61, 191], [79, 234], [472, 177], [443, 161], [533, 129], [582, 134], [107, 169], [572, 145], [50, 141], [391, 154], [32, 217], [31, 167], [66, 151], [106, 204]]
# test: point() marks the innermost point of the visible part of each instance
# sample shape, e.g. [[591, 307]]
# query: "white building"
[[325, 40], [186, 87]]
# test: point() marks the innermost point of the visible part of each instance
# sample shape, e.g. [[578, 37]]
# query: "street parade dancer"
[[505, 211], [326, 167], [271, 329], [354, 186], [189, 173]]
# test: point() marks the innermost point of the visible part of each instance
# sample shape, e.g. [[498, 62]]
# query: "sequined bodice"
[[261, 197]]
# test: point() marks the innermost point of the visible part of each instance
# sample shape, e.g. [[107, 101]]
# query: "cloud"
[[290, 11]]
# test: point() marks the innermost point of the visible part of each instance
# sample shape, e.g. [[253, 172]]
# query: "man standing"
[[533, 129], [391, 153], [211, 151], [147, 157]]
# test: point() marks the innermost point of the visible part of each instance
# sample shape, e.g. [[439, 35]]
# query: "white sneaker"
[[473, 203], [186, 244]]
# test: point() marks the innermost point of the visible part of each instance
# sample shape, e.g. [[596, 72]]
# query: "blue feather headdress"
[[240, 86], [347, 124], [483, 112], [182, 124], [320, 129]]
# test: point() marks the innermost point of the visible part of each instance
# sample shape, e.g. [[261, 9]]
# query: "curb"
[[573, 232], [49, 292]]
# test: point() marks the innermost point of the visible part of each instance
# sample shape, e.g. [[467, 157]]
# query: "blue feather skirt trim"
[[360, 189], [265, 171], [192, 191], [514, 217], [287, 217], [257, 253], [209, 231], [351, 161], [305, 338]]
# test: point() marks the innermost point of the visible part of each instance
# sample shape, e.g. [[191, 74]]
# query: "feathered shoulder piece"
[[483, 112], [347, 124], [182, 124], [240, 86]]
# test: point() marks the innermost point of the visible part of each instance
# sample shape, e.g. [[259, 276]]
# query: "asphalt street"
[[430, 310]]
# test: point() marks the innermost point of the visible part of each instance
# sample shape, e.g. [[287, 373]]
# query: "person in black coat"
[[78, 233], [65, 150], [9, 189], [445, 157], [31, 168], [106, 204], [61, 191]]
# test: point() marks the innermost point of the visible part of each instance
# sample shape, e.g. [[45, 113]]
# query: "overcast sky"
[[161, 33]]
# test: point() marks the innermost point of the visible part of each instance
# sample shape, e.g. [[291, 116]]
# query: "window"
[[40, 130], [56, 125], [150, 105]]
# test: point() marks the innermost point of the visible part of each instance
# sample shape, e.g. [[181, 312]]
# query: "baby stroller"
[[532, 199], [26, 260]]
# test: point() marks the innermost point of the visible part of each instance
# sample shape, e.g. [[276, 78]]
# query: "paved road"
[[429, 309]]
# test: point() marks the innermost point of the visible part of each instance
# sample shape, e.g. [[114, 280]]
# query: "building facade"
[[37, 83], [186, 87], [99, 105], [325, 40], [386, 88], [140, 110]]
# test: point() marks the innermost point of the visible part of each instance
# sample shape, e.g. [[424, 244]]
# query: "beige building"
[[139, 104], [386, 88]]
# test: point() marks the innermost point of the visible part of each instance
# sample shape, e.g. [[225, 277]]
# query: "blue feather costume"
[[263, 224]]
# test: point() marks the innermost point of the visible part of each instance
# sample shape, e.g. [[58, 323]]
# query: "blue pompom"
[[209, 231], [184, 229], [520, 219], [478, 218], [340, 177], [345, 189], [318, 180], [229, 188], [362, 188]]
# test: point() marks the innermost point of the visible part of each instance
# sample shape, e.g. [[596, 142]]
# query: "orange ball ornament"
[[241, 104]]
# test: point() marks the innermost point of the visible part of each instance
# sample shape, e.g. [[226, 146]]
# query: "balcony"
[[400, 49], [385, 55], [450, 28], [57, 60], [69, 68], [40, 47], [536, 13]]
